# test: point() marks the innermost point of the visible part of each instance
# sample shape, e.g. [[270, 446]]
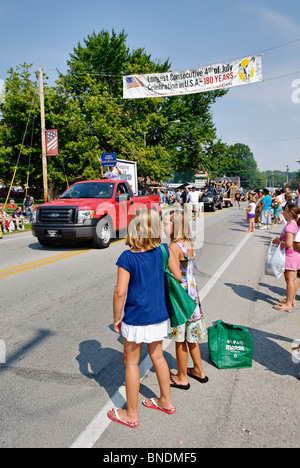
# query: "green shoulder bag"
[[181, 305]]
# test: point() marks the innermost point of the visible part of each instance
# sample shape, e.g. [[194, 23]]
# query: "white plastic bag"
[[281, 218], [275, 263]]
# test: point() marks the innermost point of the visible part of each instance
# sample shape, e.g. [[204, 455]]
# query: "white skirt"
[[146, 333]]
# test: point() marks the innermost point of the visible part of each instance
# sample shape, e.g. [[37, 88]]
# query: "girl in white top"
[[251, 214]]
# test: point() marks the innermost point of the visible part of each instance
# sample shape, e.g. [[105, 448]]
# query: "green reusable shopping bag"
[[181, 305], [230, 346]]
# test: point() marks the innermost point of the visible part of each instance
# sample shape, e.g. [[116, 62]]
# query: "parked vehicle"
[[14, 193], [212, 199], [91, 210]]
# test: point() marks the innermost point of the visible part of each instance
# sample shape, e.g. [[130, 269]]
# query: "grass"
[[9, 211], [27, 226]]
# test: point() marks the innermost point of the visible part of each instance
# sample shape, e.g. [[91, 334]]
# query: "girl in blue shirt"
[[146, 317]]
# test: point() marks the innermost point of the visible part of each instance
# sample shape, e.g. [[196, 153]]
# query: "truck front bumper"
[[59, 232]]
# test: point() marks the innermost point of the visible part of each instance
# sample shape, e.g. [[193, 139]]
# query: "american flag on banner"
[[133, 82], [52, 142]]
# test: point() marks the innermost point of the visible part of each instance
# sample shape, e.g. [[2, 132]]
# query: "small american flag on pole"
[[133, 82], [52, 142]]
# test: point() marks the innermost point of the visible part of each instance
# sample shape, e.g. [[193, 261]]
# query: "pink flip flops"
[[150, 403], [113, 415]]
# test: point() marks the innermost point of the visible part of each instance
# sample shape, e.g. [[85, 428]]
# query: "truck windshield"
[[89, 190]]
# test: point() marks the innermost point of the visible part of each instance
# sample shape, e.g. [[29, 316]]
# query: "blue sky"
[[191, 33]]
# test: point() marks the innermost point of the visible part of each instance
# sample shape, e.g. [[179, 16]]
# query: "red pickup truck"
[[91, 210]]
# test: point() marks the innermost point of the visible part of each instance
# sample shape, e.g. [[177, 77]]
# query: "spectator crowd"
[[17, 216]]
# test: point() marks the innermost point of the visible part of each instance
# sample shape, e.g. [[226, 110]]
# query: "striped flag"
[[134, 82], [52, 142]]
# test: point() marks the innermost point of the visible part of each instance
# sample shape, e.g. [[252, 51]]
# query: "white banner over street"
[[196, 80]]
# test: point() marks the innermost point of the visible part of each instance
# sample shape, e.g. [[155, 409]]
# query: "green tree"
[[243, 165], [17, 109], [192, 142], [86, 106], [95, 80]]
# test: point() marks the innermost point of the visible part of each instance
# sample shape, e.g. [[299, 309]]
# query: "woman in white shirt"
[[251, 214], [296, 241]]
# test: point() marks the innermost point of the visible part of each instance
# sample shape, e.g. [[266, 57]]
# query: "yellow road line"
[[39, 263], [44, 261], [36, 261]]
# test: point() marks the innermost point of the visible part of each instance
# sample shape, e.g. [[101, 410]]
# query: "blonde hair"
[[181, 227], [288, 197], [143, 231]]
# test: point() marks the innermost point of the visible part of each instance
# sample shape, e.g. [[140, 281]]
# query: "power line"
[[270, 141], [279, 46], [121, 74]]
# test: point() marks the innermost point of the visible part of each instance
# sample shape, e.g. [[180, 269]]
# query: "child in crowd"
[[146, 316], [292, 257], [277, 206], [251, 214], [188, 335], [5, 219]]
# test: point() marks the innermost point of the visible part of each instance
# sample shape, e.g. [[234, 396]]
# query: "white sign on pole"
[[197, 80], [129, 173], [200, 183]]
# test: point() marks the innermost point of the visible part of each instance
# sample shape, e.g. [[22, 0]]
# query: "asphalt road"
[[64, 363]]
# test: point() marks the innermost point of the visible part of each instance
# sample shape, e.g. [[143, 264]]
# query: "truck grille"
[[57, 214]]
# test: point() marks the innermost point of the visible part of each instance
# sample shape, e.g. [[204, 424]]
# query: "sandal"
[[190, 374], [174, 384], [150, 403], [120, 421]]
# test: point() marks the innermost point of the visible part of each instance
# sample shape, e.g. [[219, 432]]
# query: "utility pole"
[[43, 134]]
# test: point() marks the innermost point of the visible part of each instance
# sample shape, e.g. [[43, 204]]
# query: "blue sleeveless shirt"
[[146, 302]]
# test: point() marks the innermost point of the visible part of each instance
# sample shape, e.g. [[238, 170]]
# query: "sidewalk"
[[243, 408]]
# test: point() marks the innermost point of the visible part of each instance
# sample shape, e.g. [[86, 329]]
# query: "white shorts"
[[265, 217], [146, 333]]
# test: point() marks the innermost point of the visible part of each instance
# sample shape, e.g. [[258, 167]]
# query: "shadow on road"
[[106, 366]]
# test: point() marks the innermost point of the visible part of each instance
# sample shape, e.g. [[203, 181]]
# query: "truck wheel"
[[103, 233]]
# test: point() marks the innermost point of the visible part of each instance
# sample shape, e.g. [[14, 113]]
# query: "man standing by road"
[[265, 210], [184, 196], [193, 201], [28, 206], [237, 199]]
